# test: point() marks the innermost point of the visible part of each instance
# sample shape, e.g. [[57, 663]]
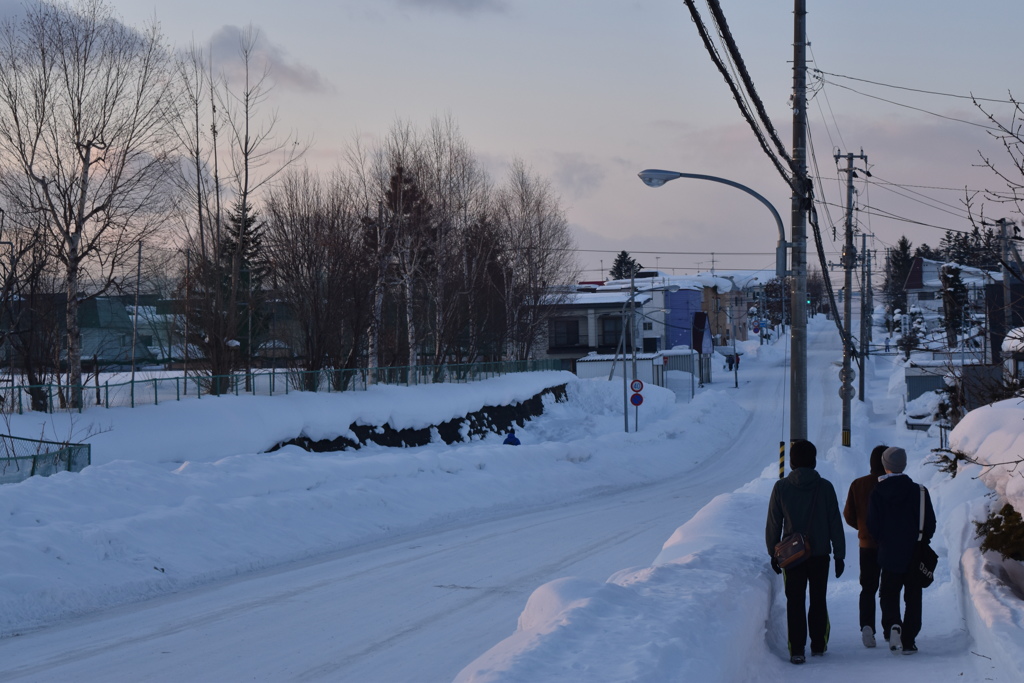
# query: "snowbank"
[[993, 437], [668, 621], [165, 508]]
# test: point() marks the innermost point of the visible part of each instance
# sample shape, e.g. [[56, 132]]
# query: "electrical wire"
[[737, 95], [917, 109], [917, 90]]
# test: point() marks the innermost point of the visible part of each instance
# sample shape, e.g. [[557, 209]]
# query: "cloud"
[[285, 72], [576, 175], [457, 6]]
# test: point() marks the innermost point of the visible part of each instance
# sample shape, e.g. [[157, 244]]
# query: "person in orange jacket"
[[855, 513]]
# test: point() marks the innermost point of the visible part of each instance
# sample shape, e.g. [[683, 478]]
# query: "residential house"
[[659, 315]]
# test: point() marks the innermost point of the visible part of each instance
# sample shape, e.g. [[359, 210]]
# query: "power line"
[[917, 90], [918, 109]]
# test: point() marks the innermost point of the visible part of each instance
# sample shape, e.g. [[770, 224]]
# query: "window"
[[564, 333], [926, 296], [611, 330], [648, 327]]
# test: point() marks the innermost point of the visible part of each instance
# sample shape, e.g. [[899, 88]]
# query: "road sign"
[[847, 392], [636, 399], [637, 386]]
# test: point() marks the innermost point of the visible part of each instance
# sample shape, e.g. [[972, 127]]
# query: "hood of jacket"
[[804, 477]]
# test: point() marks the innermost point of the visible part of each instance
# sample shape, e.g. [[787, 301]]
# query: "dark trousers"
[[800, 618], [889, 599], [869, 577]]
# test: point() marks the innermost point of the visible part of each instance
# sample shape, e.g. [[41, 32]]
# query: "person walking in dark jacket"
[[805, 502], [855, 513], [894, 514]]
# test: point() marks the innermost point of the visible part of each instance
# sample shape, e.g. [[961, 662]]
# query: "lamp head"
[[653, 177]]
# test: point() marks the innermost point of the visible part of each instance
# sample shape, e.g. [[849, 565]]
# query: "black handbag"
[[922, 566]]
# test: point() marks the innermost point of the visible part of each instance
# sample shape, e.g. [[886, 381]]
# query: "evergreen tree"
[[897, 268], [624, 267], [244, 262], [954, 301]]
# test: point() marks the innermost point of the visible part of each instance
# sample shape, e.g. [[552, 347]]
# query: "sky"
[[191, 554], [590, 92]]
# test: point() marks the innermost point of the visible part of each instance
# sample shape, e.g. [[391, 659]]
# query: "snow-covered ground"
[[182, 497]]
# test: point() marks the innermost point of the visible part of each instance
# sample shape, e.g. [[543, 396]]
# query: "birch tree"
[[538, 256], [85, 105]]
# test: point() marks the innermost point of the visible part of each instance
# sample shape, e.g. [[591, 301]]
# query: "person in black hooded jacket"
[[805, 502], [894, 514]]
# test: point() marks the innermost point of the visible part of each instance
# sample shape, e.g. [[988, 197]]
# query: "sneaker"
[[867, 636], [910, 649], [797, 659], [895, 634]]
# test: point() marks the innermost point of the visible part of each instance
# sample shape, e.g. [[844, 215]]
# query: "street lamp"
[[798, 370]]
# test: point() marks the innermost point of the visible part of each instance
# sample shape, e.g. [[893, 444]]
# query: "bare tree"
[[459, 192], [538, 256], [223, 243], [319, 270], [84, 112]]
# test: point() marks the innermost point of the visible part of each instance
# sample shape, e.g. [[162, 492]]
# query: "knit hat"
[[802, 454], [894, 459], [876, 460]]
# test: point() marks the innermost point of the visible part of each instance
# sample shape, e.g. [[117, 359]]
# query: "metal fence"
[[24, 458], [156, 389]]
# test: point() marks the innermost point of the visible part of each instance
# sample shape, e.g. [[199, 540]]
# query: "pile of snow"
[[993, 438], [182, 493]]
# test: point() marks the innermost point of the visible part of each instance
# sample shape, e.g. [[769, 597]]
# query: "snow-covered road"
[[413, 608]]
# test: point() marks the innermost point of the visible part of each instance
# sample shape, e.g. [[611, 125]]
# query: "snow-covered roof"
[[1013, 342], [970, 276], [610, 357], [603, 298]]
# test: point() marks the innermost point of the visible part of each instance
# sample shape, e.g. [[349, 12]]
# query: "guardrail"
[[23, 458], [171, 386]]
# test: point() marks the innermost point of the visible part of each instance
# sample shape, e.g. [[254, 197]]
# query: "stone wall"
[[489, 419]]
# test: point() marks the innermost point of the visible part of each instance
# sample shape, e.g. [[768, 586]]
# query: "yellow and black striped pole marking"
[[782, 459]]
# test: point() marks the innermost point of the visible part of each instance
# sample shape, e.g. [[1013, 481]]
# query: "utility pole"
[[846, 391], [1007, 308], [866, 308], [799, 208]]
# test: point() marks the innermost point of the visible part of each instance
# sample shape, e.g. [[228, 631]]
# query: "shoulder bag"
[[794, 548], [922, 566]]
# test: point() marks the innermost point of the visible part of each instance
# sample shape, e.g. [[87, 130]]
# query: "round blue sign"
[[636, 399]]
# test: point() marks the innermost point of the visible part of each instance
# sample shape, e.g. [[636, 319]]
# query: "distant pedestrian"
[[511, 439], [729, 361], [855, 513], [887, 342], [894, 520], [805, 502]]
